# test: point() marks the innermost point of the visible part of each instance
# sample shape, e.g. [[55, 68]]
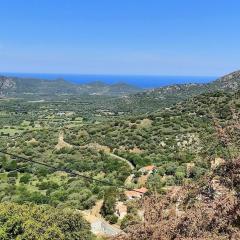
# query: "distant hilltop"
[[169, 94], [24, 86], [177, 92], [141, 81]]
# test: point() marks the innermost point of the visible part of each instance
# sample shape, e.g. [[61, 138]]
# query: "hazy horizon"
[[107, 74], [142, 81]]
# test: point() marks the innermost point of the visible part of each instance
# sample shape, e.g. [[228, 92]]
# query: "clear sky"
[[157, 37]]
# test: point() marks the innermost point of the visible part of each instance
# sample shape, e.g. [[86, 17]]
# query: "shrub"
[[41, 222], [25, 178]]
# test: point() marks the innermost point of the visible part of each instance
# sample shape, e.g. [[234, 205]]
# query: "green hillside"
[[39, 87], [149, 101], [94, 153]]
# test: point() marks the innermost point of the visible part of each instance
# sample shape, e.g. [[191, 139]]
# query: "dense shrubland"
[[28, 221], [170, 138], [38, 184], [180, 140], [205, 209]]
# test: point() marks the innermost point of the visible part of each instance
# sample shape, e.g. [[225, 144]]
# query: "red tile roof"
[[149, 168], [137, 193]]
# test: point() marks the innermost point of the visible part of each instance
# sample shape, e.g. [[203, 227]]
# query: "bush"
[[108, 207], [25, 178], [31, 222], [111, 218], [179, 177], [13, 174], [10, 166], [128, 220], [171, 168]]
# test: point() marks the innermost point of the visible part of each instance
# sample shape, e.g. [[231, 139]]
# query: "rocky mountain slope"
[[126, 98], [229, 82], [165, 96]]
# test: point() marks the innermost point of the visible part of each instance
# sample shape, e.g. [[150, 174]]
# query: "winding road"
[[122, 159]]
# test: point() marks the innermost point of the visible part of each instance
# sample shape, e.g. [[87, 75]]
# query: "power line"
[[69, 171]]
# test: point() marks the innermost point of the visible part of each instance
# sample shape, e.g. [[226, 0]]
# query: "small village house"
[[148, 169], [136, 193]]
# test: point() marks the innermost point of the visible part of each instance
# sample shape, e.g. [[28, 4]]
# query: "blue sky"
[[156, 37]]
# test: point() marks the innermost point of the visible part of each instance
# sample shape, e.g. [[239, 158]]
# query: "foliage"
[[41, 223], [108, 207], [109, 138], [207, 210]]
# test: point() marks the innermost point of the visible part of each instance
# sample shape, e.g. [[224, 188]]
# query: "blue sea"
[[137, 80]]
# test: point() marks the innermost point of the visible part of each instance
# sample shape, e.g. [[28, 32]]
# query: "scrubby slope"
[[29, 86], [209, 209], [166, 96]]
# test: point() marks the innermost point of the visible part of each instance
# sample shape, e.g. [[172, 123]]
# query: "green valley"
[[100, 156]]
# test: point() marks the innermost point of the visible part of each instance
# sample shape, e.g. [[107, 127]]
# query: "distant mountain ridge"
[[229, 82], [168, 94], [20, 86], [178, 92]]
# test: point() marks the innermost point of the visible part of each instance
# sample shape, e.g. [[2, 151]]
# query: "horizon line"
[[110, 74]]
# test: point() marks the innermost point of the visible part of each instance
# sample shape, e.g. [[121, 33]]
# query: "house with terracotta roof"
[[136, 193], [148, 169]]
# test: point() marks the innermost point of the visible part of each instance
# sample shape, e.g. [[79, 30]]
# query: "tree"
[[10, 165], [25, 178], [109, 202], [32, 222], [179, 177], [155, 183], [13, 174], [171, 168]]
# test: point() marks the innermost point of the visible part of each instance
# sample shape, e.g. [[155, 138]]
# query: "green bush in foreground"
[[41, 223]]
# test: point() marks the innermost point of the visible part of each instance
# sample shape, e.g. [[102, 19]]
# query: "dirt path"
[[129, 179], [61, 143], [106, 150], [122, 159], [97, 208]]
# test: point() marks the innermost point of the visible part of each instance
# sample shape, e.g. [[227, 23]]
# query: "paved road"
[[100, 227]]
